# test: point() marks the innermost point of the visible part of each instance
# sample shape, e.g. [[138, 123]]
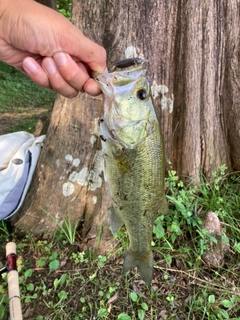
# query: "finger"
[[34, 70], [56, 80], [91, 87], [74, 73]]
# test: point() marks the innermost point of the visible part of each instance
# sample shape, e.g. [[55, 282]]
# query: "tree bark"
[[192, 48], [193, 53], [69, 178]]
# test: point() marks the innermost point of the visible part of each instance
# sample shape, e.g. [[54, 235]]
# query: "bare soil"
[[10, 122]]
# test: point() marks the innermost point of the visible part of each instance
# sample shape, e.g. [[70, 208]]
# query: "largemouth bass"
[[134, 162]]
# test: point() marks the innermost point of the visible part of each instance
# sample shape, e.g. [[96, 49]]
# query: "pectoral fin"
[[115, 221]]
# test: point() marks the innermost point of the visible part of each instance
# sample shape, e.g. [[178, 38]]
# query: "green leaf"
[[29, 298], [62, 279], [101, 261], [53, 256], [133, 296], [102, 312], [224, 314], [30, 286], [53, 265], [55, 283], [2, 290], [62, 295], [144, 306], [41, 261], [179, 205], [236, 246], [28, 273], [165, 276], [212, 238], [3, 311], [141, 314], [211, 299], [227, 303], [123, 316], [168, 259], [225, 239], [159, 231]]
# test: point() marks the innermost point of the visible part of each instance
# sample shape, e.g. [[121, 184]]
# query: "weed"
[[79, 257], [3, 303], [67, 227], [54, 262], [3, 227], [142, 307], [56, 282]]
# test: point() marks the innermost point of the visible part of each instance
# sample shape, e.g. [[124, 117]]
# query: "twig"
[[215, 285]]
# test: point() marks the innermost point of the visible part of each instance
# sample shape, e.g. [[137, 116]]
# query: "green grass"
[[21, 101], [57, 281], [18, 92]]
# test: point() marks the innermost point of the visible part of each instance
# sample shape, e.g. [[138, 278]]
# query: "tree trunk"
[[193, 53], [192, 48], [69, 178]]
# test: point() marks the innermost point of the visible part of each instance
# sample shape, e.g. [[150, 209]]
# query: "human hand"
[[48, 48]]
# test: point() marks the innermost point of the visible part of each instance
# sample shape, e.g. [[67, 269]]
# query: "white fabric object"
[[9, 145], [19, 153]]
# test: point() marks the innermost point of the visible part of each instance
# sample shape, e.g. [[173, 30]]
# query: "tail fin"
[[143, 263]]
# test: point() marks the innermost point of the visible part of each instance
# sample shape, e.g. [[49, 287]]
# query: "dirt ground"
[[10, 122]]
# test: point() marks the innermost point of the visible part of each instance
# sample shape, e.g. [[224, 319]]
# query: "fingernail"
[[94, 74], [60, 58], [29, 65], [49, 65]]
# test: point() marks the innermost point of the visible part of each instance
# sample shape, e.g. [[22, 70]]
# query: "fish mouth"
[[109, 82], [103, 81]]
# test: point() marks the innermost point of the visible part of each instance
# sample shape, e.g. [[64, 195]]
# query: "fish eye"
[[142, 94]]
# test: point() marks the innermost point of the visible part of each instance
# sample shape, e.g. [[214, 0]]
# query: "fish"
[[134, 164]]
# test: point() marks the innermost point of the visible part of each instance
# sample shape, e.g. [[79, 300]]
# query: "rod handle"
[[13, 284], [10, 248]]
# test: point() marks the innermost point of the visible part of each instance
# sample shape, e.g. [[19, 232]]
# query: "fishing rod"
[[12, 276]]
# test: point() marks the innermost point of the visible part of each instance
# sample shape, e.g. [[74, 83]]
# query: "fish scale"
[[134, 163]]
